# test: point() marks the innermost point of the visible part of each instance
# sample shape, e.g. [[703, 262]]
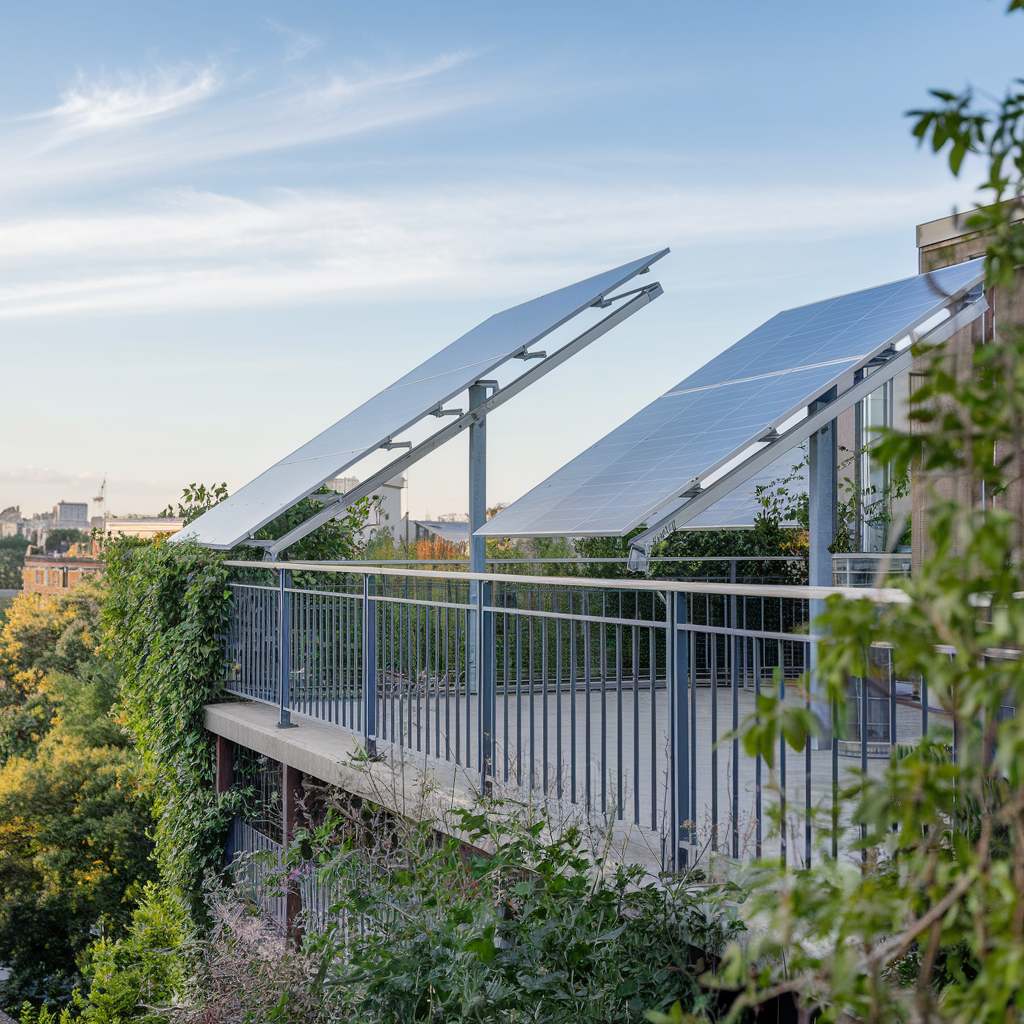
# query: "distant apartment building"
[[144, 527], [389, 514], [56, 574]]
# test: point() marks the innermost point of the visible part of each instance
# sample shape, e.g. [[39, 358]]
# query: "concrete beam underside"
[[406, 782]]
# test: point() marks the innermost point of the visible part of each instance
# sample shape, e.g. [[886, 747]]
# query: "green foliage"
[[12, 560], [73, 834], [930, 926], [134, 978], [197, 499], [73, 822], [533, 932], [45, 633], [168, 606], [330, 541]]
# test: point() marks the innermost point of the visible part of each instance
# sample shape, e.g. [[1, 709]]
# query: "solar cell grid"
[[723, 408]]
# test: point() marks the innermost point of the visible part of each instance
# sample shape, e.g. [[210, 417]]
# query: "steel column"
[[677, 653], [369, 666], [485, 637], [477, 518], [822, 492], [284, 648]]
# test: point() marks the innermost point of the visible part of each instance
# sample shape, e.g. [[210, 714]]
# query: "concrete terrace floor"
[[594, 760]]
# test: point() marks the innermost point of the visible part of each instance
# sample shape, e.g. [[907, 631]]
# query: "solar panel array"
[[440, 378], [719, 412]]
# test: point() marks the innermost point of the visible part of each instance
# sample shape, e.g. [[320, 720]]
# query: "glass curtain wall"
[[876, 412]]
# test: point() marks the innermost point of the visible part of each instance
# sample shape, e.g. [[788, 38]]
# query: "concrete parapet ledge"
[[414, 786]]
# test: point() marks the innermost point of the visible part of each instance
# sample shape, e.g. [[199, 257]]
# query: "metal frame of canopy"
[[423, 392]]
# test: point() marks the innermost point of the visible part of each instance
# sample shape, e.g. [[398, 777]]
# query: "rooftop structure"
[[465, 365]]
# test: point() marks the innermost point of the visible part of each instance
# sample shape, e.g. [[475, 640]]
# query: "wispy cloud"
[[200, 249], [75, 142], [105, 103], [297, 44]]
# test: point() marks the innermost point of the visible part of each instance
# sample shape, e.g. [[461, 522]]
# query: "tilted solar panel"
[[411, 398], [717, 413]]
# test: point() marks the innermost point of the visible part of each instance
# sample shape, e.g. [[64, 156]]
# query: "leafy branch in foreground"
[[929, 925]]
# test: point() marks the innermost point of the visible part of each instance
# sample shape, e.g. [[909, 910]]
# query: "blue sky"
[[222, 226]]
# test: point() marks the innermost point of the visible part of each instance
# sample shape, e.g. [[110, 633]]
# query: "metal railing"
[[608, 697], [869, 569]]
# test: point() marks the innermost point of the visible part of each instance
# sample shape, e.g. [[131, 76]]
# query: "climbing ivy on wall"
[[167, 610]]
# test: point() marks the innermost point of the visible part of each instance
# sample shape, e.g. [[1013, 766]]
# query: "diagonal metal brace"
[[366, 489]]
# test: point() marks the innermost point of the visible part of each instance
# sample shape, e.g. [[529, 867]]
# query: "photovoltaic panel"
[[411, 398], [718, 413], [739, 509]]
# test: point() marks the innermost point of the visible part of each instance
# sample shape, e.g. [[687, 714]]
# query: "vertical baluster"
[[573, 631], [519, 699], [635, 636], [691, 685], [734, 644], [757, 757], [807, 765], [781, 696], [369, 660], [531, 686], [448, 685], [586, 698], [713, 641], [618, 714], [458, 676], [506, 648], [417, 635], [653, 673], [558, 704], [544, 702]]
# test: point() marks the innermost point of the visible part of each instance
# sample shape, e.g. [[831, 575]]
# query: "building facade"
[[56, 574]]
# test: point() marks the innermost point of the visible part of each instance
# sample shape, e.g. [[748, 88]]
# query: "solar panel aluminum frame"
[[640, 298], [687, 489], [821, 416]]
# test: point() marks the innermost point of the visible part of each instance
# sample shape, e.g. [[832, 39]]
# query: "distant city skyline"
[[222, 227]]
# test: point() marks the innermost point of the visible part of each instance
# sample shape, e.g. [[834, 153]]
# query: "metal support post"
[[284, 647], [485, 648], [823, 498], [370, 666], [677, 651], [477, 518]]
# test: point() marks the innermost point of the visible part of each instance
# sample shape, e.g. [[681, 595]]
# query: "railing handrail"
[[880, 595], [569, 560]]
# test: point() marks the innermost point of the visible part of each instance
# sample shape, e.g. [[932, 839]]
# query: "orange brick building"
[[55, 574]]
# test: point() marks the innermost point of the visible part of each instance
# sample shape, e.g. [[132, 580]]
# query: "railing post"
[[677, 652], [369, 666], [284, 647], [485, 667]]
